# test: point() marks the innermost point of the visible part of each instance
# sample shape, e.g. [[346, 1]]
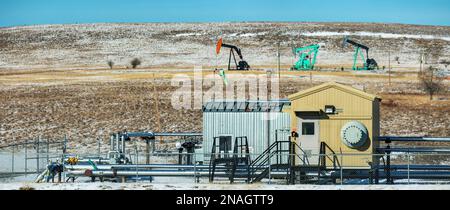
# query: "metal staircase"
[[262, 167], [277, 161], [271, 164], [236, 165]]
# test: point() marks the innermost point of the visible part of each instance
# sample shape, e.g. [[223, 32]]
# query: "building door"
[[308, 140], [225, 145]]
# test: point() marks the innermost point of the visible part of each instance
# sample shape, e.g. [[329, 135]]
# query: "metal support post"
[[37, 154], [12, 159], [407, 154], [48, 150], [342, 170], [26, 157], [388, 164], [147, 151], [195, 169]]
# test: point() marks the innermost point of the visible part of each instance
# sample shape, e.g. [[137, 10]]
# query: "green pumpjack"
[[307, 57]]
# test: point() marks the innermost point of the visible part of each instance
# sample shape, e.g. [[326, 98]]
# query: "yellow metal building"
[[342, 117]]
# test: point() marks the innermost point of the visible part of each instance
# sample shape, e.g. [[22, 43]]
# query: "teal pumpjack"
[[305, 62]]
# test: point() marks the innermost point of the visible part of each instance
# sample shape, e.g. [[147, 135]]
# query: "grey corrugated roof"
[[246, 106]]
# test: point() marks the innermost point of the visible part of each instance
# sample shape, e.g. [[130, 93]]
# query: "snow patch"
[[246, 34], [253, 34], [188, 34], [372, 34]]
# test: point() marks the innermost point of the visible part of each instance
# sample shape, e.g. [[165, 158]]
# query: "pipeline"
[[140, 173], [413, 138], [41, 176], [133, 167], [150, 173], [415, 150]]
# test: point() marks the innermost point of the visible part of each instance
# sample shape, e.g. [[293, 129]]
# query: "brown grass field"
[[84, 104]]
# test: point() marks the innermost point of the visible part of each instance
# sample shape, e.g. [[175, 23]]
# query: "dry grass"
[[82, 102]]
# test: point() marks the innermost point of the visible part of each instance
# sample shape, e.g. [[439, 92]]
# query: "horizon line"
[[205, 22]]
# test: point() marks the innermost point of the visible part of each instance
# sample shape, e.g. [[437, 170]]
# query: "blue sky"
[[31, 12]]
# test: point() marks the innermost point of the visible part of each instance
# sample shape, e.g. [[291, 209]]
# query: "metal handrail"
[[324, 155], [305, 160], [262, 155], [264, 158]]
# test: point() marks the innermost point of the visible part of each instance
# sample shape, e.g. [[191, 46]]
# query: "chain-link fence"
[[29, 157]]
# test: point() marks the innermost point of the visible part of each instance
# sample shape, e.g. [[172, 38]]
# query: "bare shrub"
[[135, 62], [110, 64], [397, 59], [431, 82]]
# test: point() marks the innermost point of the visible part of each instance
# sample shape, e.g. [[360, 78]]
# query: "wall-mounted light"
[[330, 109]]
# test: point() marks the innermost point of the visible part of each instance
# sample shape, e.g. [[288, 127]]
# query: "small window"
[[229, 106], [253, 106], [215, 106], [308, 128], [264, 106], [208, 107], [221, 106], [241, 106]]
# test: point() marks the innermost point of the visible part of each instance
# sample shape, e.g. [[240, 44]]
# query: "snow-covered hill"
[[189, 44]]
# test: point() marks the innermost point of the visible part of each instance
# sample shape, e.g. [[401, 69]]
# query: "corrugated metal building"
[[260, 121]]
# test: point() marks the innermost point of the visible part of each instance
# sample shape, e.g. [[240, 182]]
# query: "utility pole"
[[421, 61], [99, 142], [37, 154], [98, 147], [389, 58], [431, 82], [26, 157], [279, 62], [158, 115]]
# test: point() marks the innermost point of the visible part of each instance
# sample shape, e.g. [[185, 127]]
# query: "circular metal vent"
[[354, 134]]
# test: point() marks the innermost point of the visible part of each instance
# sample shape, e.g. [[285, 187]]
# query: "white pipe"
[[117, 142], [139, 173], [41, 176], [132, 167], [111, 142], [123, 144], [152, 173]]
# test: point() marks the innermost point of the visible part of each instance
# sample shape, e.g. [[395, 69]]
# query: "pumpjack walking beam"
[[239, 65]]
